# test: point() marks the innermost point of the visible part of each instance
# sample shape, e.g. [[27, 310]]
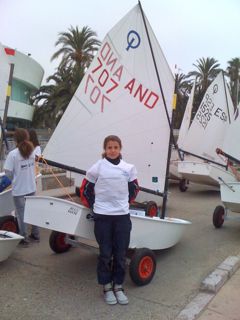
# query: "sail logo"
[[215, 88], [133, 40]]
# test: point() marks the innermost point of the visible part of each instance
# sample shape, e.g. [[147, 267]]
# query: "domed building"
[[27, 77]]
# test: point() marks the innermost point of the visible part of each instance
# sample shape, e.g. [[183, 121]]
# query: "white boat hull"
[[8, 242], [6, 203], [6, 198], [173, 168], [204, 172], [71, 218], [230, 195]]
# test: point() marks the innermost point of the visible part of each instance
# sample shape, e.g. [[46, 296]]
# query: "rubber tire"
[[183, 185], [142, 266], [151, 209], [57, 243], [218, 216], [9, 223]]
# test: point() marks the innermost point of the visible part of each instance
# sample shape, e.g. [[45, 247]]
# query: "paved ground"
[[38, 284]]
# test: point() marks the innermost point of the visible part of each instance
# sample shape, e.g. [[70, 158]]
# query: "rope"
[[60, 183]]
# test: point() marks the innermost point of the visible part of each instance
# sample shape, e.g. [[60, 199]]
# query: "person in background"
[[20, 168], [34, 139], [37, 149], [110, 185]]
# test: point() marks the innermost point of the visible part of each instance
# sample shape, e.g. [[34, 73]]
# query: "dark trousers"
[[113, 235]]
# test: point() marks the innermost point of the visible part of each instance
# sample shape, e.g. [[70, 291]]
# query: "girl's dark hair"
[[24, 146], [111, 138], [33, 137]]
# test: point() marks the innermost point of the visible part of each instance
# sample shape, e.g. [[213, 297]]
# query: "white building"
[[27, 77]]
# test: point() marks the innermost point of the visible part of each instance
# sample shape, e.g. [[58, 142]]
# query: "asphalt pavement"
[[39, 284]]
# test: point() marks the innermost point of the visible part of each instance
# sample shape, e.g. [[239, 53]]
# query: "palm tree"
[[207, 70], [182, 90], [77, 52], [233, 72], [53, 98], [77, 47]]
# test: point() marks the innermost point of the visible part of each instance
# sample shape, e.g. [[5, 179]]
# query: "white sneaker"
[[120, 295], [109, 296]]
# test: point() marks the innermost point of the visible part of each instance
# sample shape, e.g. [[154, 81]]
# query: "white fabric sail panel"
[[231, 144], [186, 118], [120, 95], [4, 75], [211, 121]]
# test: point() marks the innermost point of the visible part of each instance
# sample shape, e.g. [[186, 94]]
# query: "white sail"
[[186, 118], [120, 95], [231, 144], [211, 121], [4, 75]]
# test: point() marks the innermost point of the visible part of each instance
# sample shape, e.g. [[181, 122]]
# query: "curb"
[[209, 288]]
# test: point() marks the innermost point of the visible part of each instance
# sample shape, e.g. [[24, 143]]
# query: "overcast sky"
[[186, 29]]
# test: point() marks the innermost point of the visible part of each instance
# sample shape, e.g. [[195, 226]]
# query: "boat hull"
[[72, 218], [6, 198], [8, 242], [6, 203], [204, 173], [230, 195]]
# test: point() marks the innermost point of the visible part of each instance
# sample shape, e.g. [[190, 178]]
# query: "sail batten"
[[120, 95]]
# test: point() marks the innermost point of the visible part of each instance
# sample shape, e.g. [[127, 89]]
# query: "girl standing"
[[110, 185], [20, 168]]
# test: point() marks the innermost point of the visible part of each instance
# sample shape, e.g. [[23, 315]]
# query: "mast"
[[8, 95], [171, 137], [225, 90]]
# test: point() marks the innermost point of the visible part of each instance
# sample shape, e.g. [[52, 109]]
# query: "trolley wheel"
[[142, 266], [183, 185], [57, 242], [218, 216], [9, 223], [151, 209]]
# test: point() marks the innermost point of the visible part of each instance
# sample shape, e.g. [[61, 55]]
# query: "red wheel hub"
[[61, 241], [152, 212], [145, 267]]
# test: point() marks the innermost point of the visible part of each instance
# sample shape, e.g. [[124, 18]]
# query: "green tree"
[[207, 70], [77, 47], [76, 54], [182, 90], [233, 72]]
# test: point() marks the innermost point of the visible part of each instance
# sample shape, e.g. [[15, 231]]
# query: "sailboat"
[[230, 190], [127, 91], [205, 134], [175, 158], [8, 242]]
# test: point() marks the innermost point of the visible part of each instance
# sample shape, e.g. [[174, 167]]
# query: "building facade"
[[27, 77]]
